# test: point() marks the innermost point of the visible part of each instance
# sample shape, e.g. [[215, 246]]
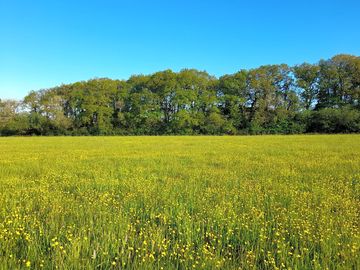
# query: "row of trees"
[[321, 97]]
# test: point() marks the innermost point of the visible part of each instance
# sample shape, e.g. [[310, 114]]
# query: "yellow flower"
[[28, 264]]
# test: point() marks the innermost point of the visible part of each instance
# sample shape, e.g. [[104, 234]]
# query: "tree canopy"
[[321, 97]]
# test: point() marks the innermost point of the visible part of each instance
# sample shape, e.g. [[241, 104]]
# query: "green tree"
[[12, 120], [233, 98], [339, 82], [307, 79]]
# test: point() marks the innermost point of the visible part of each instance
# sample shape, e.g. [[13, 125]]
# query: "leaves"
[[267, 99]]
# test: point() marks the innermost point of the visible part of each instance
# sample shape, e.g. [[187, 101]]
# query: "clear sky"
[[46, 43]]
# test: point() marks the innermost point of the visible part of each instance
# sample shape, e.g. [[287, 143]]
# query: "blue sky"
[[46, 43]]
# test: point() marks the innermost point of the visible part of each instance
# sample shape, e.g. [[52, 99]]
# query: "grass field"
[[261, 202]]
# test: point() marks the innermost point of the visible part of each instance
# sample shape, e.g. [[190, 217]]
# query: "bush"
[[331, 120]]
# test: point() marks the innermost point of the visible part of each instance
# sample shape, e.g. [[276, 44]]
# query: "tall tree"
[[339, 81], [268, 99], [233, 98], [307, 79]]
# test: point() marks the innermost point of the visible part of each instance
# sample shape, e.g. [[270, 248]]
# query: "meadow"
[[248, 202]]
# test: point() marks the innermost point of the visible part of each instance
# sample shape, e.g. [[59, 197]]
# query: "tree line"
[[322, 97]]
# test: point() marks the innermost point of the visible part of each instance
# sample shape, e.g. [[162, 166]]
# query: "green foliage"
[[329, 120], [266, 100], [307, 80]]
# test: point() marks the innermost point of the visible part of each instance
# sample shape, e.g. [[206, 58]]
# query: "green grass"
[[261, 202]]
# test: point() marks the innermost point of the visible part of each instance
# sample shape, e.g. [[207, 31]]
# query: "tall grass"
[[270, 202]]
